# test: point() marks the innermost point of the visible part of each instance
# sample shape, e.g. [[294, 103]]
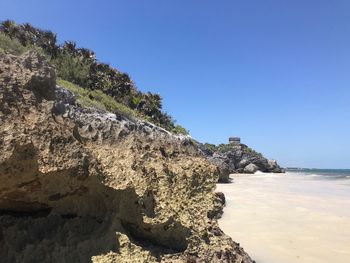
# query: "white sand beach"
[[289, 218]]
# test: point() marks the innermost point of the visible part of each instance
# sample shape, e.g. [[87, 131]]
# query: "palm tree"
[[49, 40], [70, 47]]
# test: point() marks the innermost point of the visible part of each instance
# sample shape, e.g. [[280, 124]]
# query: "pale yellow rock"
[[80, 184]]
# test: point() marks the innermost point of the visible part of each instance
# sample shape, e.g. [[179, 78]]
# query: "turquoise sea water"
[[331, 174]]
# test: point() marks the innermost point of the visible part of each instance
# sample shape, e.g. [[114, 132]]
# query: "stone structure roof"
[[234, 139]]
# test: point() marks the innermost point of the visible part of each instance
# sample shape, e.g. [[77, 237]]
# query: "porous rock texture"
[[82, 185], [238, 158]]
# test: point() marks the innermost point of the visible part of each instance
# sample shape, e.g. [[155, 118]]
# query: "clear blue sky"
[[274, 72]]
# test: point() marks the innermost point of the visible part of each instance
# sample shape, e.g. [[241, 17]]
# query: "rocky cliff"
[[237, 158], [81, 185]]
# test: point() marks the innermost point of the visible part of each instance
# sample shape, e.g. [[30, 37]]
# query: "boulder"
[[251, 168], [223, 167], [84, 185]]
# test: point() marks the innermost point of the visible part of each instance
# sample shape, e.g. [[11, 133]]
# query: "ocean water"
[[300, 216], [322, 173]]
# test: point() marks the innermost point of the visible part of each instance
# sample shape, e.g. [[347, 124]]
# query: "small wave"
[[313, 175], [303, 174], [259, 172], [328, 176]]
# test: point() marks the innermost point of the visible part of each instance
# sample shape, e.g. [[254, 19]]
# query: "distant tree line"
[[80, 66]]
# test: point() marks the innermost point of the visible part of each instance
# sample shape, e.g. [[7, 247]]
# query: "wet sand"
[[289, 218]]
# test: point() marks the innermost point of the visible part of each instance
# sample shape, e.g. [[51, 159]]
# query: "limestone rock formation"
[[250, 168], [81, 185], [237, 158]]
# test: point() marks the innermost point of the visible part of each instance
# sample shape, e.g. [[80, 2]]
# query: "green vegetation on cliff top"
[[97, 99], [94, 83], [229, 147]]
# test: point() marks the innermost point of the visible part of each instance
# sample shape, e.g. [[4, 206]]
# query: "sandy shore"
[[289, 218]]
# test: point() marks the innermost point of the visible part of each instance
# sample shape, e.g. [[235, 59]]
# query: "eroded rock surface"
[[238, 158], [81, 185]]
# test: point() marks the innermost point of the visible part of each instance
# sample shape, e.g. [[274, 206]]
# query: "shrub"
[[104, 86], [211, 147], [72, 68], [12, 46], [28, 35], [178, 129], [225, 147], [97, 99], [81, 94], [251, 151], [111, 104]]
